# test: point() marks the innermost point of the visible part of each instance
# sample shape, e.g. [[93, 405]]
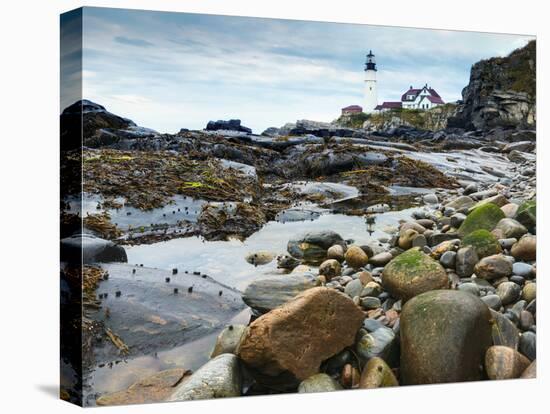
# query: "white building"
[[371, 92], [423, 99]]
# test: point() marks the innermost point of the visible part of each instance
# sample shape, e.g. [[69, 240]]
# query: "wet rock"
[[377, 374], [523, 269], [228, 340], [510, 228], [484, 243], [336, 252], [503, 331], [155, 388], [260, 258], [87, 249], [529, 292], [330, 268], [319, 383], [510, 210], [483, 217], [493, 267], [270, 292], [530, 371], [218, 378], [528, 345], [525, 248], [470, 288], [465, 261], [447, 259], [436, 330], [381, 259], [378, 343], [492, 301], [527, 214], [412, 273], [312, 247], [508, 292], [356, 257], [502, 362], [302, 333]]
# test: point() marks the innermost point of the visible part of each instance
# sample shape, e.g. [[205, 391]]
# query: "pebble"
[[354, 288], [529, 292], [528, 345], [447, 259], [522, 269], [508, 292], [370, 303], [430, 199], [493, 301], [470, 288]]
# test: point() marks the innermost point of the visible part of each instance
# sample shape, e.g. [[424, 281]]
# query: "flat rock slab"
[[149, 317]]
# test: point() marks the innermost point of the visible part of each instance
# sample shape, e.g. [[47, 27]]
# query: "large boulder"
[[296, 337], [483, 217], [270, 292], [411, 273], [87, 249], [444, 337], [218, 378], [312, 247]]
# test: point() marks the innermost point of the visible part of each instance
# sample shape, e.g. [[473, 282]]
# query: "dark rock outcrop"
[[231, 125], [501, 92]]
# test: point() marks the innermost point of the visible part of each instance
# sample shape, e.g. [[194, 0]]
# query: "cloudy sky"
[[172, 70]]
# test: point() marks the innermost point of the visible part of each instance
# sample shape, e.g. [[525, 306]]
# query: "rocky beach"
[[388, 250]]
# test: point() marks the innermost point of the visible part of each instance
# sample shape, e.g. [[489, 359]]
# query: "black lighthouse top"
[[370, 64]]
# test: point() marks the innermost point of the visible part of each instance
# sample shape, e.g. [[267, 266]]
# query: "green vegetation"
[[352, 120], [483, 217], [527, 214], [484, 243]]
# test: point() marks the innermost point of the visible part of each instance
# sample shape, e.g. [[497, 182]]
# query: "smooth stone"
[[260, 258], [218, 378], [330, 268], [502, 362], [430, 198], [522, 269], [436, 331], [465, 261], [531, 371], [529, 292], [507, 243], [492, 301], [354, 288], [356, 257], [378, 343], [484, 242], [526, 320], [461, 202], [336, 252], [510, 210], [228, 340], [311, 247], [528, 345], [270, 292], [419, 241], [426, 223], [88, 249], [508, 292], [438, 238], [371, 289], [406, 238], [493, 267], [527, 214], [457, 219], [381, 259], [483, 217], [470, 288], [370, 303], [327, 322], [319, 383], [511, 228], [448, 259], [504, 332], [525, 248], [377, 374], [412, 273], [412, 225]]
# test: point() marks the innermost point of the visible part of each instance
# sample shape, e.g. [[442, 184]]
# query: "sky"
[[168, 71]]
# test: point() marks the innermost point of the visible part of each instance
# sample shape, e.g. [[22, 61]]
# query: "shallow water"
[[225, 260]]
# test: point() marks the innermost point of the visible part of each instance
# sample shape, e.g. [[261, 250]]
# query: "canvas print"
[[257, 206]]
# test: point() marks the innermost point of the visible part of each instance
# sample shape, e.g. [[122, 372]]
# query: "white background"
[[29, 202]]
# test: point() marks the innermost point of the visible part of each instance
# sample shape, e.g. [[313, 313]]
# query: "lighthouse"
[[371, 93]]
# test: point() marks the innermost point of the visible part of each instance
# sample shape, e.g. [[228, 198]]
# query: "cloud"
[[133, 41], [265, 71]]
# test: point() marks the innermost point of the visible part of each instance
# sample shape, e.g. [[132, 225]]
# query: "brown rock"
[[525, 248], [502, 362], [155, 388], [493, 267], [330, 268], [414, 225], [365, 277], [350, 376], [296, 337], [377, 374], [510, 210], [356, 257], [406, 238]]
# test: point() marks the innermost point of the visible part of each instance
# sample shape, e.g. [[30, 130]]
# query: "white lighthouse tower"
[[371, 93]]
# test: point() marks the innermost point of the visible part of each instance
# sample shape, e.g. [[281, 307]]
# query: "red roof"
[[435, 99], [411, 91], [388, 105]]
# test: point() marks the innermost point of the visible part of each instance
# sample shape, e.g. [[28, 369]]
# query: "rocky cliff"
[[501, 92]]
